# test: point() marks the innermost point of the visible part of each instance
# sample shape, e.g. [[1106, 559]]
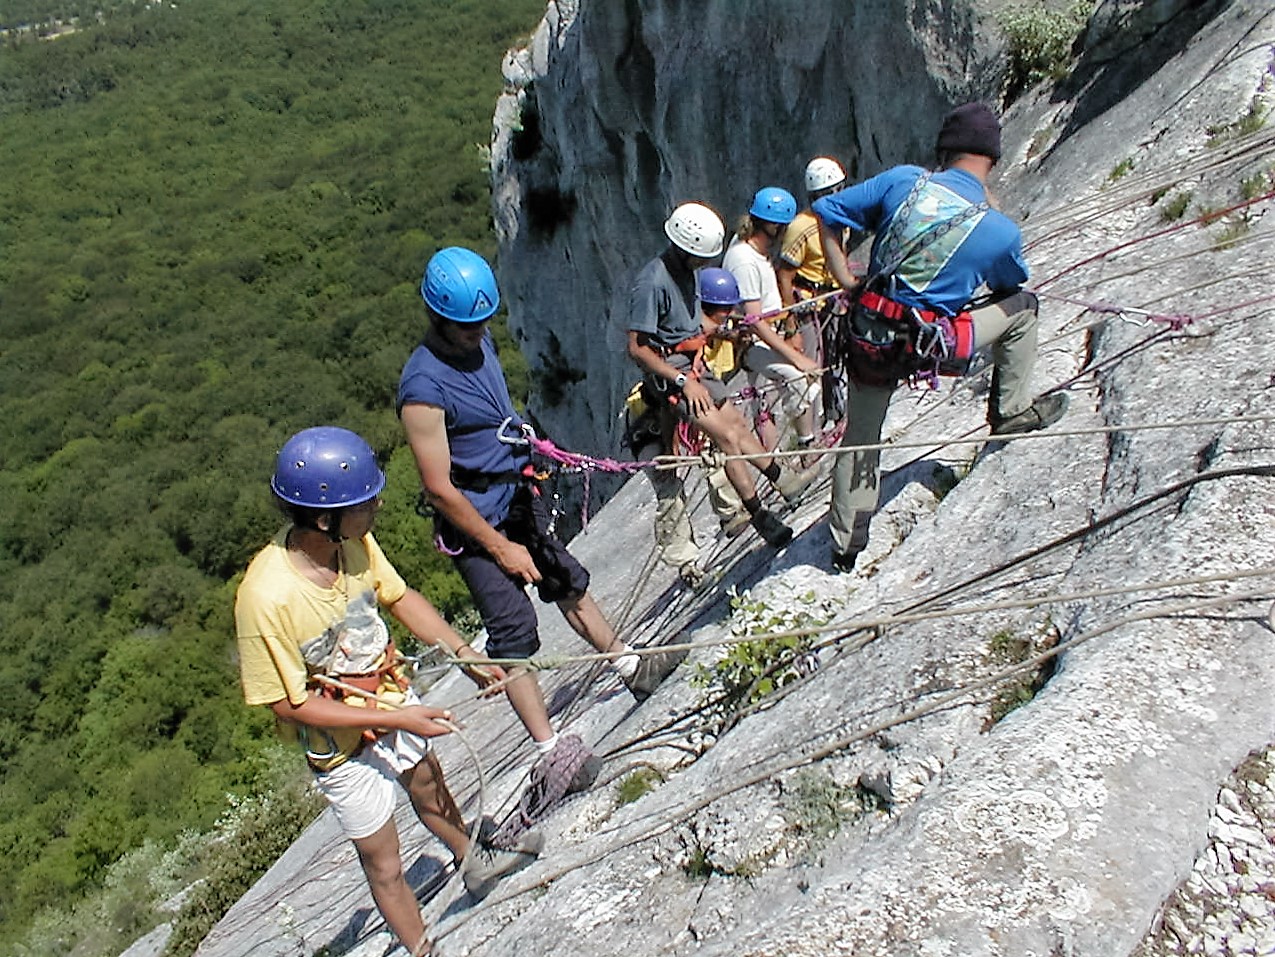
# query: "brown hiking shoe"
[[792, 485], [1041, 414], [734, 526], [485, 865]]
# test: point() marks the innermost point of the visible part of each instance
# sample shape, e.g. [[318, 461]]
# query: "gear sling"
[[886, 340]]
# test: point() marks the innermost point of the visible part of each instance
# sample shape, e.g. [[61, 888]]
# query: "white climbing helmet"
[[697, 229], [823, 172]]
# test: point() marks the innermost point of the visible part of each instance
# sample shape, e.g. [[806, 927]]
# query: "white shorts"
[[361, 791]]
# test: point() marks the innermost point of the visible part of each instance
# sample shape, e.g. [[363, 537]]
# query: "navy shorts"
[[502, 600]]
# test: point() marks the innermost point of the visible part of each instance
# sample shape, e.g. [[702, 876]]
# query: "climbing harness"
[[886, 340]]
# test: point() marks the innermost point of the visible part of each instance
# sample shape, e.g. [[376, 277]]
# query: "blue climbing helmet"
[[774, 205], [717, 287], [460, 286], [327, 467]]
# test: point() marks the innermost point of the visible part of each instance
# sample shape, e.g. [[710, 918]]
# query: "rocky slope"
[[1109, 579]]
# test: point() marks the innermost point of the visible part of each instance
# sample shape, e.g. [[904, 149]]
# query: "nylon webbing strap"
[[890, 252]]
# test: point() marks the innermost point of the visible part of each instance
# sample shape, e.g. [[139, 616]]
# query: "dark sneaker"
[[792, 485], [651, 671], [770, 528], [485, 865], [844, 561], [1041, 414]]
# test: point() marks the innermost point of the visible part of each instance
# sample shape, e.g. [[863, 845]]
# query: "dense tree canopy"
[[213, 217]]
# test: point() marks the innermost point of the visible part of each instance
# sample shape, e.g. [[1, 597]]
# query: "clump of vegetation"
[[1121, 170], [1253, 120], [204, 204], [1257, 185], [1007, 648], [1235, 230], [700, 865], [816, 807], [205, 872], [1176, 207], [1040, 42], [637, 784], [246, 841], [750, 670]]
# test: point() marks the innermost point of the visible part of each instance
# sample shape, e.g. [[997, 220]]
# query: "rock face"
[[1043, 717], [616, 112]]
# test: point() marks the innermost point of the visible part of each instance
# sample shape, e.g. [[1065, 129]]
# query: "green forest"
[[214, 215]]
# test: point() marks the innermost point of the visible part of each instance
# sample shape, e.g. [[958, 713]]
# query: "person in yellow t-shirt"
[[802, 272], [306, 615]]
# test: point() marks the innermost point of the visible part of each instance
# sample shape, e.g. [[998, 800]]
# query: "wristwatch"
[[680, 380]]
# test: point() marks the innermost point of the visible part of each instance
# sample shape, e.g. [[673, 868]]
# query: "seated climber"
[[314, 649], [776, 360], [937, 242], [666, 341]]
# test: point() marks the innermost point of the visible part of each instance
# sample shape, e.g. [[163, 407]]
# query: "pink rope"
[[584, 463], [1175, 321]]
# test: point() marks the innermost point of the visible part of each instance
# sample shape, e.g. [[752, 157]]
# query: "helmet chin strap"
[[334, 531]]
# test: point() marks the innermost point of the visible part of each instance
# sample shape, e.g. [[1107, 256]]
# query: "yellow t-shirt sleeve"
[[270, 664]]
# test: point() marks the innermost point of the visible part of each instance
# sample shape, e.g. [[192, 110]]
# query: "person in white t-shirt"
[[774, 359]]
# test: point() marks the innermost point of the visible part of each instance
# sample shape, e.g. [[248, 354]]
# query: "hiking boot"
[[692, 575], [792, 485], [770, 528], [844, 561], [734, 526], [485, 865], [651, 672], [1041, 414]]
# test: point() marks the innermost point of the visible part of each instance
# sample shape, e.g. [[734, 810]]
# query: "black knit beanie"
[[971, 128]]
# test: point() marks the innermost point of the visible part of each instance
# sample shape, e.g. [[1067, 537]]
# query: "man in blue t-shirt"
[[937, 242], [457, 413]]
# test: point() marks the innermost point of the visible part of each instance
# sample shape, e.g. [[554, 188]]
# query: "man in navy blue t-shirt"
[[457, 413]]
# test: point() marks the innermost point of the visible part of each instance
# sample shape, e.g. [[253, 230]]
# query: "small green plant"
[[1176, 207], [750, 670], [698, 867], [1121, 170], [1005, 649], [1257, 185], [1040, 42], [1252, 121], [1235, 230], [1209, 215], [637, 784], [816, 807]]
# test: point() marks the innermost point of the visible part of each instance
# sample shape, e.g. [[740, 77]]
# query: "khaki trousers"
[[1007, 325]]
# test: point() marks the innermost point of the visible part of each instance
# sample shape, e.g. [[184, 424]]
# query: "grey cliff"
[[1112, 577]]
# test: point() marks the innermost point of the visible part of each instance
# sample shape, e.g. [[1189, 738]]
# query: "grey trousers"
[[674, 536], [1007, 325]]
